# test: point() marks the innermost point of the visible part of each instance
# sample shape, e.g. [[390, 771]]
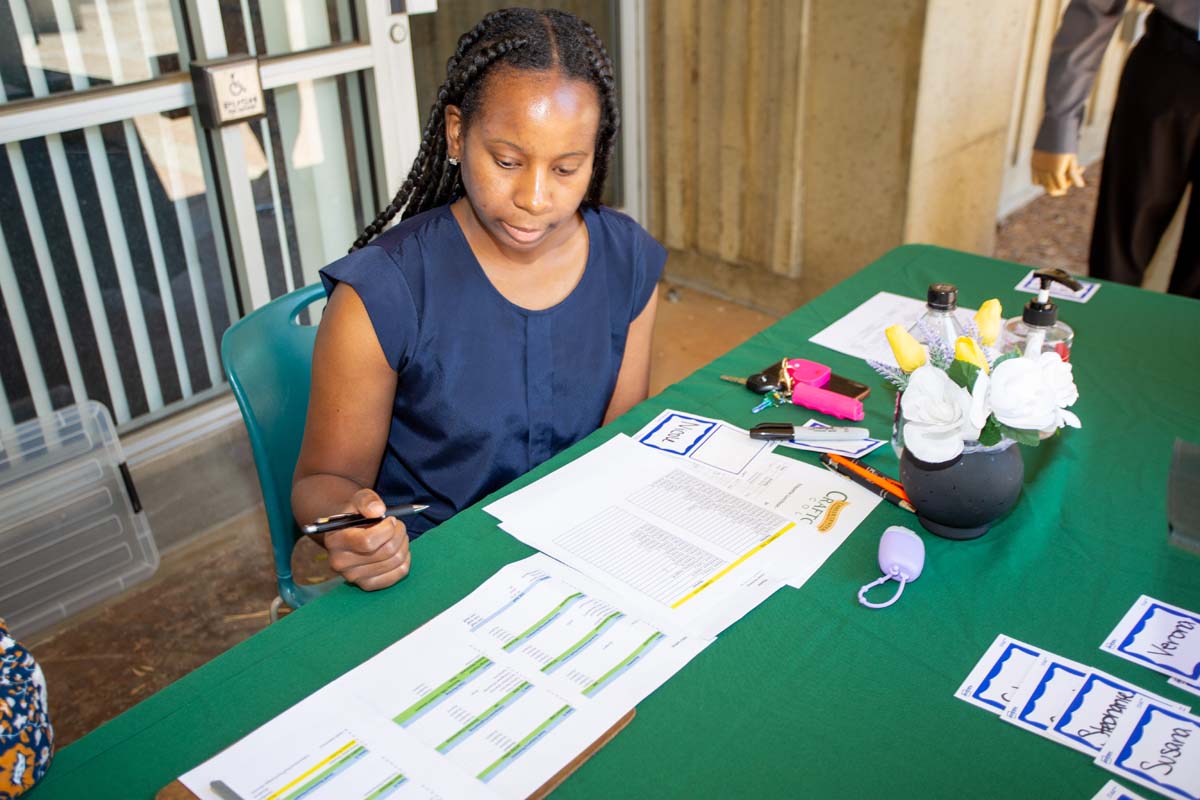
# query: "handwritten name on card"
[[678, 434], [1161, 636], [1157, 747], [1095, 712]]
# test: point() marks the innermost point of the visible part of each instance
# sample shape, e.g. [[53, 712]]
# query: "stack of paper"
[[491, 698], [1134, 733], [692, 522], [662, 541]]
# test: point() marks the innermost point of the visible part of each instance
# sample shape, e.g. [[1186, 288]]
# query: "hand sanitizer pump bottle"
[[940, 317], [1038, 329]]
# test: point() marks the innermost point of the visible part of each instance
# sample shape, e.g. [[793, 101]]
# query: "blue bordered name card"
[[1115, 791], [1160, 636], [1157, 747], [1033, 285], [998, 674], [1096, 710]]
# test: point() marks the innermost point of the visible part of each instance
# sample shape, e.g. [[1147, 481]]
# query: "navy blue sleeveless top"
[[487, 390]]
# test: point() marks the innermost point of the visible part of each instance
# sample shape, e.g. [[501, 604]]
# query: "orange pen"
[[890, 488], [857, 465]]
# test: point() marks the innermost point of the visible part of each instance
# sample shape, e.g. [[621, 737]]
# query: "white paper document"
[[808, 495], [330, 747], [678, 548], [539, 615], [511, 728], [491, 698], [1156, 747], [1160, 636], [861, 332], [690, 541]]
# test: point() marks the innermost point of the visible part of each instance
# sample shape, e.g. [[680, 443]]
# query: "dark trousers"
[[1152, 154]]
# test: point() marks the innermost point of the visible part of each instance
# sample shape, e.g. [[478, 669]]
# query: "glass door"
[[112, 279], [131, 235]]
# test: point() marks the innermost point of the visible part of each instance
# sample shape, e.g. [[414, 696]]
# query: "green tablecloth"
[[810, 694]]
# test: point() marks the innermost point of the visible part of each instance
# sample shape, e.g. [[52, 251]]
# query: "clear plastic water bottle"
[[940, 317], [941, 320]]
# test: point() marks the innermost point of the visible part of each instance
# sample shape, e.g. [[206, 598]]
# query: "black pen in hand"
[[341, 521]]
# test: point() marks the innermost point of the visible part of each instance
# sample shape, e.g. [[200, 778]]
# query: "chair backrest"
[[268, 361]]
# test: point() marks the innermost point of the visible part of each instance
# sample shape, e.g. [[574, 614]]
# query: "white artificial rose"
[[1058, 376], [937, 413], [978, 407], [1031, 393]]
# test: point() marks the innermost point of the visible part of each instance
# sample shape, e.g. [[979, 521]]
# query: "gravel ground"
[[1052, 231]]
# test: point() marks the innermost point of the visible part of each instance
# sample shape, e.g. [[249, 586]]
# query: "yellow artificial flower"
[[966, 349], [987, 319], [909, 353]]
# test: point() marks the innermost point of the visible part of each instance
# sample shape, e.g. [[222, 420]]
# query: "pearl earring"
[[453, 161]]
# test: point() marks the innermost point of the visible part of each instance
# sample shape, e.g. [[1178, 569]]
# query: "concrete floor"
[[214, 591], [1052, 231]]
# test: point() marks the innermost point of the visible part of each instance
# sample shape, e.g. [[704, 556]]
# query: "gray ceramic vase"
[[963, 498]]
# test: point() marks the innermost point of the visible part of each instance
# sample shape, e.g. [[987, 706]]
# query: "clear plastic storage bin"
[[72, 531]]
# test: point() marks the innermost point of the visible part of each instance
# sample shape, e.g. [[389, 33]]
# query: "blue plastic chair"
[[268, 361]]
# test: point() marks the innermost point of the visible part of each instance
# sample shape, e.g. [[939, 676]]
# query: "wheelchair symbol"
[[235, 86]]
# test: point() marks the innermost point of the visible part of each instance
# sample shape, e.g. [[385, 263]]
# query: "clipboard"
[[177, 791]]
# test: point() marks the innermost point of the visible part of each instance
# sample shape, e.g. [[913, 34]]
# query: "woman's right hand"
[[371, 558]]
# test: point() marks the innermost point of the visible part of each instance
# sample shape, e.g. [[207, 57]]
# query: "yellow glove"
[[1055, 172]]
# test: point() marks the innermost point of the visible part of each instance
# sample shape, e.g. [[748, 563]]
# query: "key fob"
[[767, 380]]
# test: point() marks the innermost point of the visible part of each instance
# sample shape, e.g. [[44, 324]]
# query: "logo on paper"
[[831, 515], [822, 512]]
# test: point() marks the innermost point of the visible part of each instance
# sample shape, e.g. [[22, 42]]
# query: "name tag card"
[[1045, 693], [1115, 791], [1097, 709], [1160, 636], [1156, 747], [998, 674], [1032, 285]]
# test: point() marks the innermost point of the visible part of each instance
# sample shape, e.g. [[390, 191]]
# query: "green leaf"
[[1021, 436], [963, 373], [1006, 357], [990, 434]]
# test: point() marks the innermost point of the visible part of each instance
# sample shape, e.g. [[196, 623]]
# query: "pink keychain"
[[807, 378]]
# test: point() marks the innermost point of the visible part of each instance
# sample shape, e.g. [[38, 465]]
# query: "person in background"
[[507, 315], [26, 738], [1153, 149]]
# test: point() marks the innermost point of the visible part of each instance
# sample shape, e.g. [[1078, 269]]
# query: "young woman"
[[506, 317]]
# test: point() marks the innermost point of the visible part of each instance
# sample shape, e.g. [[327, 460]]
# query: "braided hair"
[[520, 38]]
